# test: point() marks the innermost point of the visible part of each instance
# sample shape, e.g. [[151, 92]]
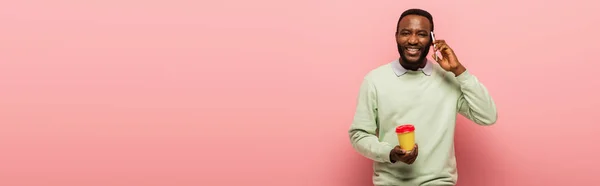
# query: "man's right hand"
[[398, 154]]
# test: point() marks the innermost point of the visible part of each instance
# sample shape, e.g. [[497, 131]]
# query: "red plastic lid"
[[405, 128]]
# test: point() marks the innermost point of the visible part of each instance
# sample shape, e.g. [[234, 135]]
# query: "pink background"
[[130, 92]]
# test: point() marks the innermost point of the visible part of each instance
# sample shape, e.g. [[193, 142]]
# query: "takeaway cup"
[[406, 136]]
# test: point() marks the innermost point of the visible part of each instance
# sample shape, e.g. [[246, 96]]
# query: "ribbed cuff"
[[384, 152], [464, 76]]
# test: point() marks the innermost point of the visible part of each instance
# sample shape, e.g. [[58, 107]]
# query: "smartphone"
[[433, 40]]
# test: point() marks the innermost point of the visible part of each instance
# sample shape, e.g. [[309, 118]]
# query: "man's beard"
[[421, 59]]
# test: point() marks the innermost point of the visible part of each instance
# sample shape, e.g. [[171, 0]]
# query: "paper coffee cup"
[[406, 136]]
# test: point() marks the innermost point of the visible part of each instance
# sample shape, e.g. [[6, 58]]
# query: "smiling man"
[[427, 94]]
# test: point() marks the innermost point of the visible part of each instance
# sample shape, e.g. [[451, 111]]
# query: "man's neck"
[[413, 66]]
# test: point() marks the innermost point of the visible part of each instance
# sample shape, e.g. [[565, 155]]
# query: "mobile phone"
[[432, 41]]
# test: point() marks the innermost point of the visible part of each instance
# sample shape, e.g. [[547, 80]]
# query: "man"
[[427, 94]]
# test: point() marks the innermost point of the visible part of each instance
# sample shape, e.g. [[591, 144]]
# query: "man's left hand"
[[449, 61]]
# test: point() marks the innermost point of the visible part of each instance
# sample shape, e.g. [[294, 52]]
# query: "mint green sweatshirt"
[[429, 99]]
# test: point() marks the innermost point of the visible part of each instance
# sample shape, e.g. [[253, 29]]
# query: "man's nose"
[[413, 39]]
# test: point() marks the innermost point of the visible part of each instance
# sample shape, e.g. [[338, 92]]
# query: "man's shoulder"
[[379, 72]]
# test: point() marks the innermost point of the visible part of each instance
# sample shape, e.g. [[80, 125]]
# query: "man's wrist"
[[461, 69]]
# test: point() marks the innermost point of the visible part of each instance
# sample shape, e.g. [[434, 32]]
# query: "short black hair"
[[415, 11]]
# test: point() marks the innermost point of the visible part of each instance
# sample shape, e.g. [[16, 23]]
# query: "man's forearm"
[[369, 146], [475, 103], [364, 127]]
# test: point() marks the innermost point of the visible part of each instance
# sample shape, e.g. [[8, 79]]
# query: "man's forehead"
[[415, 22]]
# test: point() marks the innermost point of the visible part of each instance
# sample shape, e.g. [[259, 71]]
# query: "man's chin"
[[411, 60]]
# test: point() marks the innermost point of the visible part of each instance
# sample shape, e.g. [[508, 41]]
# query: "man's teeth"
[[413, 49]]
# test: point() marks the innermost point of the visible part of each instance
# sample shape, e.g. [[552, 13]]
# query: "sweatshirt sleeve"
[[363, 129], [475, 103]]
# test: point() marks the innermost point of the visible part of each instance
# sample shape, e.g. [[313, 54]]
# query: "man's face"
[[413, 38]]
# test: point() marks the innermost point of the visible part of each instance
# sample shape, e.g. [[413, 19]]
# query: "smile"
[[413, 51]]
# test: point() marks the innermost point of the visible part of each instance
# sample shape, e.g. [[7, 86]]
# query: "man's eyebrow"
[[405, 29]]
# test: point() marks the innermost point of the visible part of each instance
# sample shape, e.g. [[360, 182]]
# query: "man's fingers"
[[395, 156], [403, 152], [413, 155], [408, 157], [443, 48], [439, 43], [446, 51], [399, 152], [436, 56], [411, 159], [416, 149]]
